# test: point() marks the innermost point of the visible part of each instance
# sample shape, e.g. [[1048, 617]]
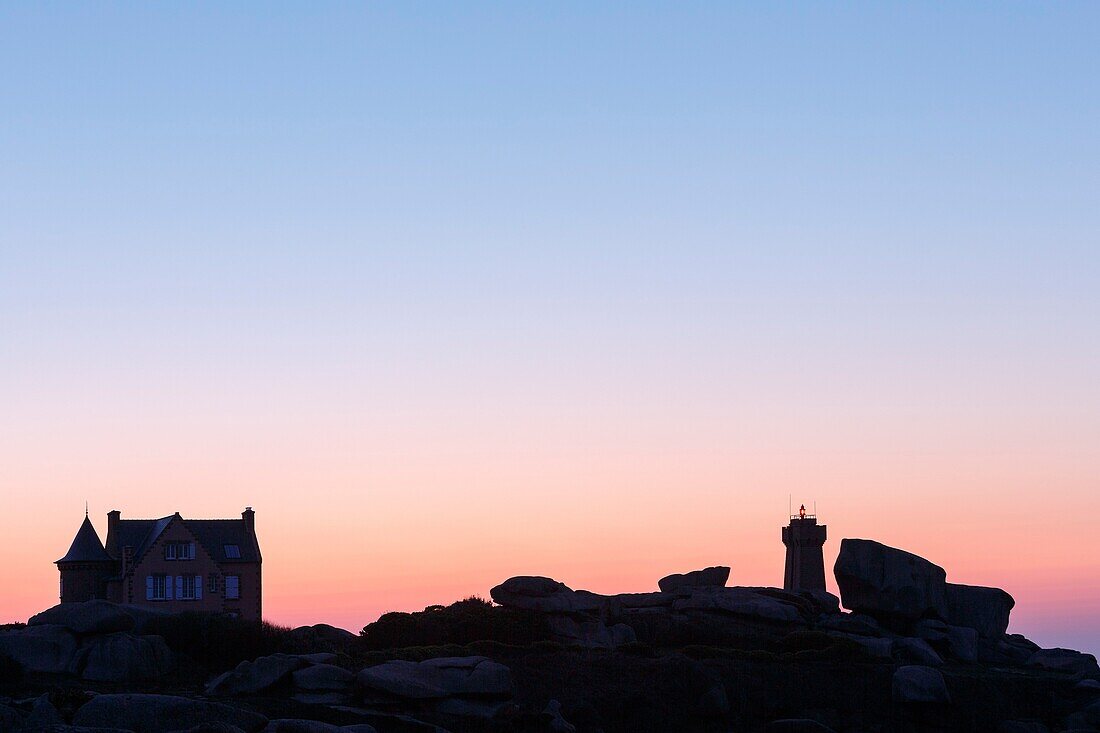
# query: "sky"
[[454, 292]]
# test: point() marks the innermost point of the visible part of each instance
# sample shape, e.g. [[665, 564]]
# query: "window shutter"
[[179, 586], [191, 549], [198, 587], [148, 587]]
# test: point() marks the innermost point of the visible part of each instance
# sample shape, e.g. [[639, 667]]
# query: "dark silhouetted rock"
[[43, 715], [1086, 719], [158, 713], [558, 723], [959, 642], [739, 602], [797, 725], [884, 581], [313, 726], [212, 728], [707, 577], [438, 678], [10, 719], [41, 648], [977, 607], [1065, 660], [534, 593], [915, 683], [916, 651], [89, 617], [248, 678], [853, 623], [322, 677], [1021, 726], [589, 633], [122, 657]]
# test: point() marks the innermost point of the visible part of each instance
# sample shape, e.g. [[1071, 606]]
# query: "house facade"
[[172, 563]]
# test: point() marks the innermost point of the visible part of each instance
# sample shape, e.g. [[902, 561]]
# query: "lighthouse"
[[804, 538]]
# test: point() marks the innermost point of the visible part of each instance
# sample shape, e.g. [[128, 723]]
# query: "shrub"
[[463, 622], [217, 641]]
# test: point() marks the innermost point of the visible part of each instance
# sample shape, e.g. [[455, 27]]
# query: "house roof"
[[212, 534], [86, 546]]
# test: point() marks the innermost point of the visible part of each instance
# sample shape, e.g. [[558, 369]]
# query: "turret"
[[86, 566]]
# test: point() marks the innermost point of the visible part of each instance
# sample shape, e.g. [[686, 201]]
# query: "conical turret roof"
[[86, 546]]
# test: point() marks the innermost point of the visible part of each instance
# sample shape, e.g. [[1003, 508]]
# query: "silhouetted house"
[[172, 563]]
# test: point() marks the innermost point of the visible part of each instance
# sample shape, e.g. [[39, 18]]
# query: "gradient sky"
[[451, 293]]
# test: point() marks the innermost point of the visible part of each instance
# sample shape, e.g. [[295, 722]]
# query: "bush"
[[216, 641], [464, 622]]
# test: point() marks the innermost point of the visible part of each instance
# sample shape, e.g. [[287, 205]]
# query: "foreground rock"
[[89, 617], [42, 648], [248, 678], [983, 609], [713, 576], [886, 582], [122, 657], [436, 679], [159, 713], [919, 684]]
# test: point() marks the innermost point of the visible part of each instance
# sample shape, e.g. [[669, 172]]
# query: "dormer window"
[[232, 552], [179, 551]]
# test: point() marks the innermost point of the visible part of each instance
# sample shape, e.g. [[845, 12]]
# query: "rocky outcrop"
[[957, 642], [536, 593], [1065, 660], [445, 677], [286, 725], [248, 678], [916, 684], [883, 581], [977, 607], [591, 633], [739, 602], [41, 648], [122, 657], [707, 577], [159, 713], [89, 617]]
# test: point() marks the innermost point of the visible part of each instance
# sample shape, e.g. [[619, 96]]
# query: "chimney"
[[249, 518], [113, 518]]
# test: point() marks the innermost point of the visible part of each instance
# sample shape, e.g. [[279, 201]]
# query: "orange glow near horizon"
[[346, 541]]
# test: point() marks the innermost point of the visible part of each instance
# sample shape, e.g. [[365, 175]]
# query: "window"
[[232, 587], [212, 583], [179, 551], [156, 588], [232, 552], [187, 587]]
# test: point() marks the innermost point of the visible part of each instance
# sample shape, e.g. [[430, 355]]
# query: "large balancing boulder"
[[89, 617], [886, 582], [980, 608]]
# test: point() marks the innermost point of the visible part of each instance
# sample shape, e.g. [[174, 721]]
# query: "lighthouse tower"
[[804, 538]]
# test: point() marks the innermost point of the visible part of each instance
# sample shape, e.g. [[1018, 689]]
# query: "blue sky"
[[802, 216]]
